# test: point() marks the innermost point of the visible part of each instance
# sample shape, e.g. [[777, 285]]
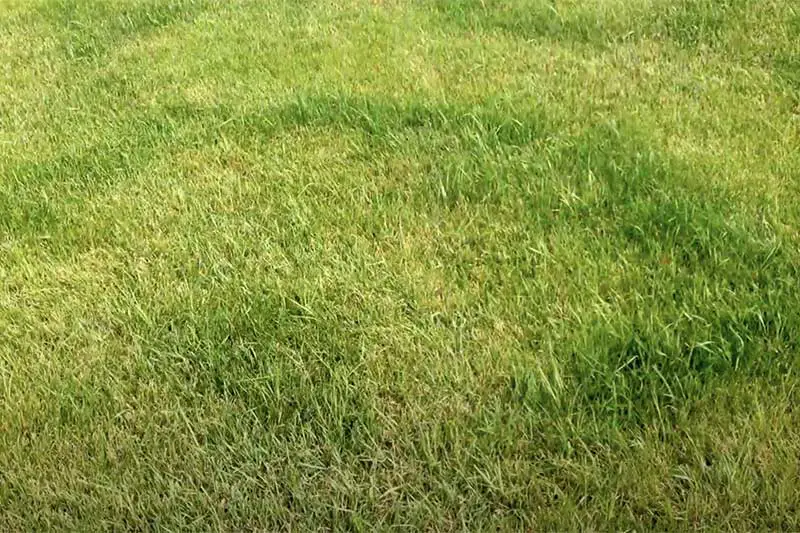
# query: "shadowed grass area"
[[460, 265]]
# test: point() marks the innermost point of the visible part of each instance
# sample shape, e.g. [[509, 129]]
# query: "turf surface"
[[443, 265]]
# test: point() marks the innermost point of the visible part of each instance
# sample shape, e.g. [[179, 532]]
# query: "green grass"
[[441, 265]]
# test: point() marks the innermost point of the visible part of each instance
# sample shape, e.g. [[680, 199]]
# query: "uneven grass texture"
[[442, 265]]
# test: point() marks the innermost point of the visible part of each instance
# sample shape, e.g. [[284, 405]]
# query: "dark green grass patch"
[[89, 31]]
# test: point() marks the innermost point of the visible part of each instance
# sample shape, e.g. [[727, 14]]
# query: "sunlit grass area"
[[440, 265]]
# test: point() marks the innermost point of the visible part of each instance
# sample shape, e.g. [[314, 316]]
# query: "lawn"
[[372, 264]]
